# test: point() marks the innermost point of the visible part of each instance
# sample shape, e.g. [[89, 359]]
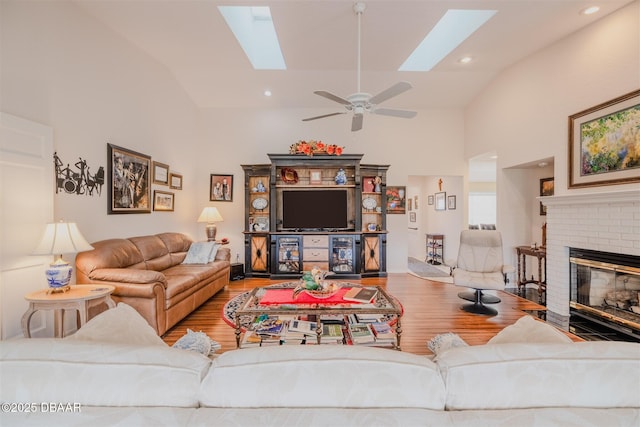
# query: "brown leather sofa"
[[148, 274]]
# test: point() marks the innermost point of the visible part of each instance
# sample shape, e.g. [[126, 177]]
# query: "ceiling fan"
[[361, 102]]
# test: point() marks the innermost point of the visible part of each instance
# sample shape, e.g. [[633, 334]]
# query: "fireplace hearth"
[[604, 291]]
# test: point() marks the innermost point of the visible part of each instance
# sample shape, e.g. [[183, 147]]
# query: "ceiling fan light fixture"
[[361, 102]]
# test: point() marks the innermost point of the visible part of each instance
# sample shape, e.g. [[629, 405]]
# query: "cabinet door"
[[372, 253], [288, 254], [342, 254], [259, 253]]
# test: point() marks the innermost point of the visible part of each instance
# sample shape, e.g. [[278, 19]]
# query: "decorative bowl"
[[329, 290]]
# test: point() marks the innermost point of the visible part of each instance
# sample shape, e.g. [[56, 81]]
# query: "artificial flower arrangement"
[[315, 147], [313, 283]]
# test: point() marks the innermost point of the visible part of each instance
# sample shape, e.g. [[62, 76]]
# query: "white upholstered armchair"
[[480, 266]]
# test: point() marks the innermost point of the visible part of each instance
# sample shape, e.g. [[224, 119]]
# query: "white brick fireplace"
[[608, 222]]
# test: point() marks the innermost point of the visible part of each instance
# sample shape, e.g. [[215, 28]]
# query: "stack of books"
[[361, 333], [384, 333], [332, 334]]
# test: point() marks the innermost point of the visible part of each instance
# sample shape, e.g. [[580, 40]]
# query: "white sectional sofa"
[[73, 382]]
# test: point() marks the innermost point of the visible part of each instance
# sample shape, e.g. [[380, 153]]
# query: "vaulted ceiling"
[[319, 43]]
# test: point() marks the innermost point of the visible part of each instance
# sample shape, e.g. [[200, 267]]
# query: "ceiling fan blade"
[[395, 113], [356, 122], [394, 90], [332, 97], [322, 116]]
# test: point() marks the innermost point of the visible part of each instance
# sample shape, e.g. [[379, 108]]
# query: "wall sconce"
[[60, 238], [210, 216]]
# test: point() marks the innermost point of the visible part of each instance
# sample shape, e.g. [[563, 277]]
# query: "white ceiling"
[[319, 42]]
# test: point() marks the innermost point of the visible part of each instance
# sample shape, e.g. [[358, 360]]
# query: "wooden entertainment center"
[[278, 243]]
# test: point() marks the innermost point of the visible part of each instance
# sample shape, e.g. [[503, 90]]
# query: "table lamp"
[[210, 215], [60, 238]]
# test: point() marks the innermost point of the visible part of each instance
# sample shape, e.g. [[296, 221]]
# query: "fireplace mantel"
[[591, 198]]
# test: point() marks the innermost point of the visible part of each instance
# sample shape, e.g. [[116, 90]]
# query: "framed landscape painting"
[[603, 143], [128, 178]]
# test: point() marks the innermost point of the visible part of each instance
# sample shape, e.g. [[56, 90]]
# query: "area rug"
[[230, 308], [427, 271]]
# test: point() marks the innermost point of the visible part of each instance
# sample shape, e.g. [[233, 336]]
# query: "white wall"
[[62, 68], [523, 114]]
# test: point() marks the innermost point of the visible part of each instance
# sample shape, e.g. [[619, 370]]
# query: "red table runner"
[[285, 296]]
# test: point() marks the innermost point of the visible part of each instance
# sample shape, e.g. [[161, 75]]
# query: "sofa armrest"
[[128, 275]]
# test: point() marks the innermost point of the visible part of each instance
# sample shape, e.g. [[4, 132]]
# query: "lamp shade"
[[61, 238], [210, 215]]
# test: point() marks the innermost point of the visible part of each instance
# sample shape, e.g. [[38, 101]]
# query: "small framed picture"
[[315, 176], [175, 181], [221, 189], [412, 216], [451, 202], [160, 173], [440, 201], [430, 199], [396, 202], [546, 189], [163, 201]]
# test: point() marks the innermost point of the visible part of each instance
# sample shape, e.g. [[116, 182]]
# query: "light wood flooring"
[[430, 308]]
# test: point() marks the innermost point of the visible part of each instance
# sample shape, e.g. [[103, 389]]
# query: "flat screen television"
[[314, 209]]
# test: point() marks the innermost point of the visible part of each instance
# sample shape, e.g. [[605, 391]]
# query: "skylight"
[[452, 29], [254, 30]]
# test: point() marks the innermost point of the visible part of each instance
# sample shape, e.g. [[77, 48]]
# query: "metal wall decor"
[[78, 180]]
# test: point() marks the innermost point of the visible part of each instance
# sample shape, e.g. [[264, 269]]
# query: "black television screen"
[[319, 209]]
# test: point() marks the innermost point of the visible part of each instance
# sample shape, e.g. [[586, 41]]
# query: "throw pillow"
[[199, 342], [529, 330], [443, 342], [122, 324], [199, 253]]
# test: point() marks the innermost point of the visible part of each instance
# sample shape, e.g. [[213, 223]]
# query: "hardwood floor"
[[430, 308]]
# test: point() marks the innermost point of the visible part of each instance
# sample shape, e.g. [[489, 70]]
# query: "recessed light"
[[465, 60], [590, 10], [267, 92], [542, 164]]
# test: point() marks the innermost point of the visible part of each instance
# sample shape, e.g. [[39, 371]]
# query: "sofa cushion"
[[528, 329], [443, 342], [601, 374], [122, 324], [99, 374], [322, 376]]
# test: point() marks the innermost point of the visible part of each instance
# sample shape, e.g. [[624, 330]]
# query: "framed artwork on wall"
[[602, 143], [396, 202], [451, 202], [315, 176], [412, 216], [163, 201], [160, 173], [430, 199], [440, 200], [221, 189], [128, 179], [546, 189], [175, 181]]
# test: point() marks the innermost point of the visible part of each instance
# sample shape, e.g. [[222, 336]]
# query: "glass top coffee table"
[[278, 300]]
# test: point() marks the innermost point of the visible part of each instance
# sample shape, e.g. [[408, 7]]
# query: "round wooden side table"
[[79, 297]]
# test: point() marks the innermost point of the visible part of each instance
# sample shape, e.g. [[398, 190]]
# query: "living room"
[[78, 84], [58, 70]]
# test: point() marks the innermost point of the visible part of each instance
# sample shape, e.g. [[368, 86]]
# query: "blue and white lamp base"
[[58, 276]]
